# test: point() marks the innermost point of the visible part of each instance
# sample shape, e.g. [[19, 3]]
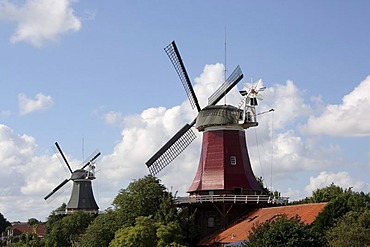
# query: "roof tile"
[[241, 230]]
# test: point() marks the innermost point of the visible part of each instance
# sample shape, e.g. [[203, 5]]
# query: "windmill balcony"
[[252, 199]]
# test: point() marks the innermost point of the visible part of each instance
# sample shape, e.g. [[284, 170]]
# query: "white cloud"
[[15, 149], [113, 118], [40, 103], [288, 102], [39, 21], [351, 118], [342, 179]]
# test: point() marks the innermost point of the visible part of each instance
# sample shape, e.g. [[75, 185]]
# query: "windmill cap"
[[81, 174], [217, 115]]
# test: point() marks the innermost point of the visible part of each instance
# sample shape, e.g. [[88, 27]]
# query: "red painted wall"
[[215, 171]]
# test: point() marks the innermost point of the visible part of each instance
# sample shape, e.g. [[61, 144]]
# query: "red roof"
[[241, 230], [20, 228]]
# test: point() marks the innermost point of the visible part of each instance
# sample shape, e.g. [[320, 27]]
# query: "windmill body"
[[82, 197], [224, 167]]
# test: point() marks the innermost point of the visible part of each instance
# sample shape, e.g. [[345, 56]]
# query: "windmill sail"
[[231, 81], [56, 189], [174, 55], [64, 158], [90, 159], [178, 143]]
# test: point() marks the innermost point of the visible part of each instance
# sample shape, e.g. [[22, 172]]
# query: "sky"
[[94, 75]]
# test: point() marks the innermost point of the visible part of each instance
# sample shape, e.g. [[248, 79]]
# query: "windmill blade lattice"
[[174, 55], [231, 81], [178, 143]]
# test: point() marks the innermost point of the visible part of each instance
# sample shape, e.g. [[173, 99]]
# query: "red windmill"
[[224, 186]]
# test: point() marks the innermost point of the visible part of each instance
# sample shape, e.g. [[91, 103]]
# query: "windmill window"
[[233, 160], [211, 222]]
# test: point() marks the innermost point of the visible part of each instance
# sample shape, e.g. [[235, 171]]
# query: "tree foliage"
[[143, 214], [33, 221], [142, 197], [353, 229], [326, 194], [148, 213], [68, 229], [148, 232], [3, 223], [142, 234], [102, 230], [283, 231], [28, 239], [339, 206]]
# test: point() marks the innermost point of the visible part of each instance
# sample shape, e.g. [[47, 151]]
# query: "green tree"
[[352, 230], [142, 197], [144, 200], [339, 206], [283, 232], [169, 234], [102, 230], [3, 223], [33, 221], [326, 194], [67, 230], [147, 203], [147, 232], [27, 240], [54, 217], [142, 234]]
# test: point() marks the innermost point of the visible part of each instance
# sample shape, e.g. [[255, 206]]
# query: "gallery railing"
[[233, 199]]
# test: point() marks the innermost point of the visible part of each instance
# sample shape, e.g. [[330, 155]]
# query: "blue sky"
[[93, 74]]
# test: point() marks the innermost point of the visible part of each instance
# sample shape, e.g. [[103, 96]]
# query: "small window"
[[233, 160], [238, 191], [211, 192], [211, 222]]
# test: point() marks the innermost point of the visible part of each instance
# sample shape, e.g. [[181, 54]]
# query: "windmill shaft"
[[174, 55]]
